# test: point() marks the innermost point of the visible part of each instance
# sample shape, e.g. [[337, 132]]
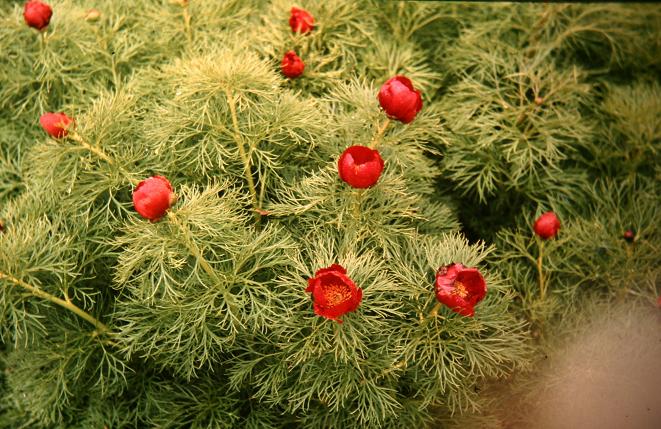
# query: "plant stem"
[[542, 284], [55, 300], [432, 314], [187, 26], [357, 202], [98, 152], [42, 41], [242, 153], [101, 154], [195, 251], [379, 134], [398, 365]]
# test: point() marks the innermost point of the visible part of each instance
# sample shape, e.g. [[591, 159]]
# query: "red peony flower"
[[460, 288], [55, 124], [301, 21], [399, 99], [333, 292], [360, 166], [547, 225], [153, 197], [292, 65], [37, 14]]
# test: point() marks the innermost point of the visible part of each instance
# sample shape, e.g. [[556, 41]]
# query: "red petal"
[[547, 225], [335, 268], [399, 99], [470, 278], [152, 197], [333, 275], [360, 166], [474, 283], [55, 124], [311, 284]]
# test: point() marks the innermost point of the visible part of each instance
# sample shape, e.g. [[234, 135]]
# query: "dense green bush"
[[202, 318]]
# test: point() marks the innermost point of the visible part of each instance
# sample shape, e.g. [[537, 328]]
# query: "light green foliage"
[[512, 116], [201, 319], [629, 145], [44, 255], [590, 257], [191, 284], [275, 125]]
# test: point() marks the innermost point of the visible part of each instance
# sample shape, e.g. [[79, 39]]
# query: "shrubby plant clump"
[[319, 214]]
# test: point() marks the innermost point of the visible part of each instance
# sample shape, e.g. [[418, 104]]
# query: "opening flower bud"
[[360, 166], [333, 293], [292, 65], [547, 225], [301, 21], [56, 124], [37, 14], [630, 235], [460, 288], [153, 197], [399, 99]]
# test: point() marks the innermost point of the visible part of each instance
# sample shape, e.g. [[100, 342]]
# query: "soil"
[[607, 376]]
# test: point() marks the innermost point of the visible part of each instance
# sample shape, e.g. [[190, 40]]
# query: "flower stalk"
[[42, 41], [95, 150], [379, 134], [65, 303], [73, 135], [540, 271], [197, 253], [244, 156], [432, 314], [187, 22]]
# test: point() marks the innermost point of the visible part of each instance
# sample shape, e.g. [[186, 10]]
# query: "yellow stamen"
[[336, 294], [460, 290]]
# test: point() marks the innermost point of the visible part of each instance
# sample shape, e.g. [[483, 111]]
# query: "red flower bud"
[[547, 225], [301, 21], [37, 14], [56, 124], [360, 166], [629, 235], [460, 288], [399, 99], [153, 197], [333, 293], [292, 65]]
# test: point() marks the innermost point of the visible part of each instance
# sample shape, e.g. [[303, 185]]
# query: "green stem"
[[432, 314], [42, 41], [102, 328], [242, 153], [394, 367], [379, 134], [195, 251], [187, 26], [101, 154], [540, 271], [98, 152], [357, 202]]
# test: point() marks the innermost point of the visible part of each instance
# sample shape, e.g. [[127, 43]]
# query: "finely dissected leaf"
[[201, 319]]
